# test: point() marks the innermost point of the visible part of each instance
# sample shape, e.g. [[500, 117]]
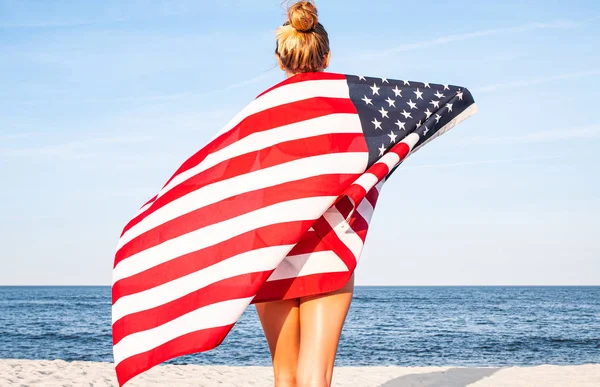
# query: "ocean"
[[405, 326]]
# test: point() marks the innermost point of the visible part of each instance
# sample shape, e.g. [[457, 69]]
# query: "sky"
[[100, 102]]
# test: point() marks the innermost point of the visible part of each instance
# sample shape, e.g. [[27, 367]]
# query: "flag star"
[[439, 95], [383, 112], [367, 100], [460, 95], [446, 87], [406, 83], [384, 80], [406, 114], [392, 137], [391, 102], [435, 103], [375, 89], [377, 124], [449, 105], [428, 113], [362, 77], [425, 131], [419, 124], [427, 85], [437, 118], [382, 150], [411, 104], [397, 91], [419, 94], [400, 125]]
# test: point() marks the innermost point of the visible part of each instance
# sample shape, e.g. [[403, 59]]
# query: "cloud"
[[480, 162], [592, 131], [61, 23], [196, 94], [532, 26], [536, 81], [74, 149], [15, 136]]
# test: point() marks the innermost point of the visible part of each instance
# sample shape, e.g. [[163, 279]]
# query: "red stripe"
[[241, 286], [272, 235], [324, 230], [325, 185], [355, 192], [372, 196], [401, 149], [250, 162], [301, 77], [199, 341], [359, 225], [380, 170], [303, 286], [274, 117], [309, 243]]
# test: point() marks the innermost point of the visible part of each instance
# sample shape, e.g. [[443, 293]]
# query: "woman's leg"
[[321, 319], [280, 321]]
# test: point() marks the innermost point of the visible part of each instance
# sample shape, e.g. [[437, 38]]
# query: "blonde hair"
[[302, 42]]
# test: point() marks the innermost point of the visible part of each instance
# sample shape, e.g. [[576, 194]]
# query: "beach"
[[55, 373]]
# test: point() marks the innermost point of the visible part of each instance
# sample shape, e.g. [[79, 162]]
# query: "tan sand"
[[64, 374]]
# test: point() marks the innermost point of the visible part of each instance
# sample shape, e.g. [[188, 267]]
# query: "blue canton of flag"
[[389, 110]]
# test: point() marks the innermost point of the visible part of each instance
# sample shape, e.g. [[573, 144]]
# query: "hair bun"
[[303, 16]]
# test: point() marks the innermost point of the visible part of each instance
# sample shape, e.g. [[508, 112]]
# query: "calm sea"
[[476, 326]]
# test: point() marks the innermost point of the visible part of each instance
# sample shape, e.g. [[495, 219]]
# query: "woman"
[[303, 333], [273, 211]]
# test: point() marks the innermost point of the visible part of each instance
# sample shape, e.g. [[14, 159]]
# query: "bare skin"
[[303, 336]]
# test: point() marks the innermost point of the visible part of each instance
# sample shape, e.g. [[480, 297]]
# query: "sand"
[[60, 373]]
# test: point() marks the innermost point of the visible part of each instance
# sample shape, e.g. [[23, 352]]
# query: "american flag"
[[277, 205]]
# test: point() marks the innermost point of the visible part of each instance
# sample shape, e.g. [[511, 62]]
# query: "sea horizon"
[[442, 325]]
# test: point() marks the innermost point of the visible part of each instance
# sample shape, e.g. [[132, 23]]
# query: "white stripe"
[[365, 209], [211, 316], [289, 211], [330, 124], [254, 261], [411, 140], [306, 264], [390, 159], [367, 180], [333, 163], [343, 231], [333, 88]]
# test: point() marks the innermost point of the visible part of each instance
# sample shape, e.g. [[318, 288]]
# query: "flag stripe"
[[333, 163], [301, 286], [303, 77], [201, 340], [300, 209], [211, 316], [248, 262], [189, 263], [306, 264], [324, 185], [217, 291], [325, 125]]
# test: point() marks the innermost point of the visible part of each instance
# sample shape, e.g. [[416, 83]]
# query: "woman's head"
[[302, 42]]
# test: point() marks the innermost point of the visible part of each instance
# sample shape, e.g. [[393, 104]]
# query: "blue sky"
[[101, 101]]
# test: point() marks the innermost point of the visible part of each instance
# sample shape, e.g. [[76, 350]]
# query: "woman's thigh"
[[321, 320], [280, 322]]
